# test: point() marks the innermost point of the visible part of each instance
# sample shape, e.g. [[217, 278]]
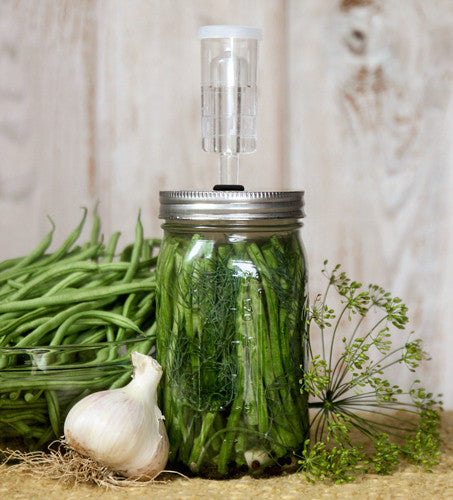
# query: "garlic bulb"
[[123, 428], [257, 458]]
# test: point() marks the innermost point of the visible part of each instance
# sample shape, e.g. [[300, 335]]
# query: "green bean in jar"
[[231, 332]]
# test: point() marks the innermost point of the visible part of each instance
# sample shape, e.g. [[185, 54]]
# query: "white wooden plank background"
[[371, 142], [99, 100]]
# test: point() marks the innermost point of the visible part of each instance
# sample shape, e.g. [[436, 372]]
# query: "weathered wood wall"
[[370, 115], [99, 100]]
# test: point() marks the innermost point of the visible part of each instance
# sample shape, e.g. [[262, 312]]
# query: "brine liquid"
[[231, 337]]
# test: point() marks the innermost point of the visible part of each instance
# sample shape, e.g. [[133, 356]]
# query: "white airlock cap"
[[229, 31]]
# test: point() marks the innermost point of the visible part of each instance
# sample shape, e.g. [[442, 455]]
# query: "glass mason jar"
[[231, 331]]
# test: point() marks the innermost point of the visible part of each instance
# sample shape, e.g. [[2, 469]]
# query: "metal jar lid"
[[231, 205]]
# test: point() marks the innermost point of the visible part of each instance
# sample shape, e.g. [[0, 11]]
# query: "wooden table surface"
[[407, 482]]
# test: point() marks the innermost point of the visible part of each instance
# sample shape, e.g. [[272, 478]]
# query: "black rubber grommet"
[[228, 187]]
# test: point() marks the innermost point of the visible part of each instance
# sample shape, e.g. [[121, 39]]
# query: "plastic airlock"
[[229, 95]]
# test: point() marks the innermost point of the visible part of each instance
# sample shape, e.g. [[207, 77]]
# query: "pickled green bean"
[[230, 321]]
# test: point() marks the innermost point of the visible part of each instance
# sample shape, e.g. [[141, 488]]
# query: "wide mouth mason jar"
[[231, 330]]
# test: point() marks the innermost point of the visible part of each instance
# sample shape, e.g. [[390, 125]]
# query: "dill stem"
[[388, 405], [371, 370], [323, 424], [340, 374], [359, 423], [332, 342], [369, 333], [345, 370], [386, 415], [322, 314], [369, 427]]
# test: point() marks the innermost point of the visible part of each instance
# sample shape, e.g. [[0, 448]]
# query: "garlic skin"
[[257, 458], [123, 429]]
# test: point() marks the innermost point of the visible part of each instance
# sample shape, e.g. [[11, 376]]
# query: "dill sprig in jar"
[[231, 330]]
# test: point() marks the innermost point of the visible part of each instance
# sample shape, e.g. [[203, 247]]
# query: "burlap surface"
[[407, 482]]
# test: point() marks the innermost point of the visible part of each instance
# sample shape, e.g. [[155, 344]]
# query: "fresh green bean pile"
[[68, 321], [231, 339]]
